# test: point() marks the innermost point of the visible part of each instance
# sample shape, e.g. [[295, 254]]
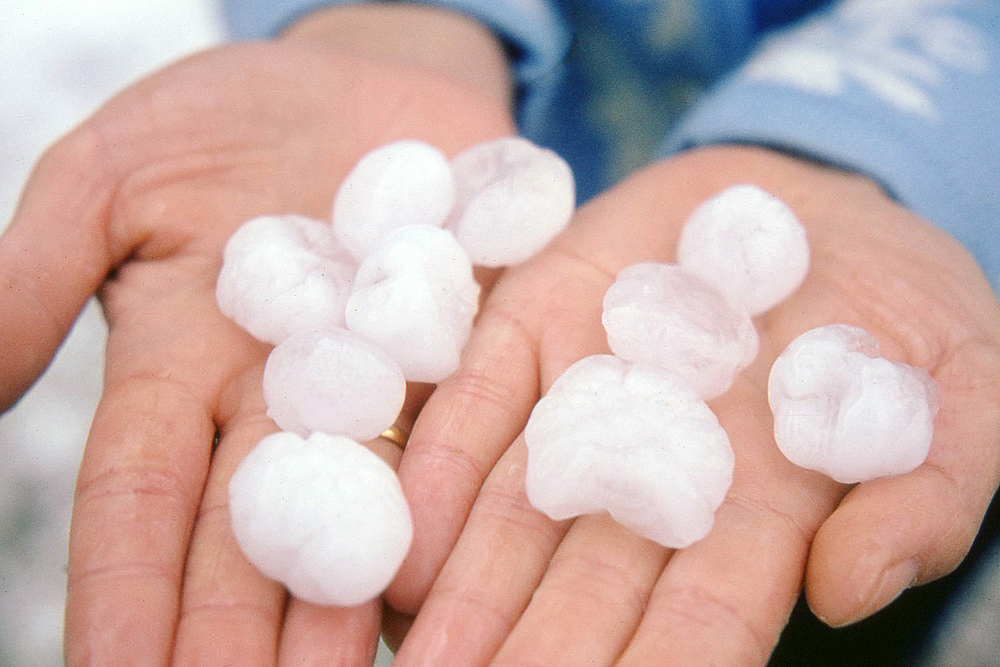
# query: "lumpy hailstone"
[[748, 244], [324, 516], [415, 297], [332, 381], [630, 439], [512, 197], [663, 315], [403, 183], [282, 274], [841, 409]]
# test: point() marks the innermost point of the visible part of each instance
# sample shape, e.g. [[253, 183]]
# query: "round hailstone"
[[324, 516], [415, 297], [841, 409], [402, 183], [511, 198], [660, 314], [333, 381], [282, 274], [748, 244], [633, 440]]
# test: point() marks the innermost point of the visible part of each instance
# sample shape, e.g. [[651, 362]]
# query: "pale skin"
[[136, 205]]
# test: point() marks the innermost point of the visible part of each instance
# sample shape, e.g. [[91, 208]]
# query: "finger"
[[725, 599], [474, 415], [132, 515], [347, 636], [463, 428], [53, 256], [590, 599], [489, 577], [329, 636], [230, 613], [138, 487], [894, 532], [143, 471]]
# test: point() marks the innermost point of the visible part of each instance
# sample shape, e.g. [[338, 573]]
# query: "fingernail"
[[894, 580]]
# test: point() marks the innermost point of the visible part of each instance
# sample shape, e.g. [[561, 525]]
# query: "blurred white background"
[[58, 61]]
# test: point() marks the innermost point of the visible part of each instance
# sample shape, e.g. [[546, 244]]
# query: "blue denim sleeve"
[[907, 93]]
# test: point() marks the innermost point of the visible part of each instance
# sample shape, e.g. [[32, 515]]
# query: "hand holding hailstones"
[[386, 295], [686, 331], [311, 507]]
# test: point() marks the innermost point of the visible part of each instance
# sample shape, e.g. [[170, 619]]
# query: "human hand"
[[137, 203], [518, 588]]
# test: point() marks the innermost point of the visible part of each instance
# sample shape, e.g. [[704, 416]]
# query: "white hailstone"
[[334, 381], [511, 198], [663, 315], [282, 274], [841, 409], [633, 440], [748, 244], [402, 183], [415, 297], [324, 516]]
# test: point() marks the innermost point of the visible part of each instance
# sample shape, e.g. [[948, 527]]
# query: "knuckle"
[[763, 510], [468, 387], [458, 468], [153, 482], [508, 512], [478, 608], [120, 571], [82, 155], [691, 608], [261, 613], [606, 583]]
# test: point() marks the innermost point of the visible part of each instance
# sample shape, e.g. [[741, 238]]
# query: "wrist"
[[414, 36]]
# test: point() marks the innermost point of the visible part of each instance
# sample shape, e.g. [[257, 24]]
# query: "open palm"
[[137, 203], [520, 589]]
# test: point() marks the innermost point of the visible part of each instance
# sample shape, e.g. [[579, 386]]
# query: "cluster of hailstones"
[[385, 294], [631, 434], [355, 307]]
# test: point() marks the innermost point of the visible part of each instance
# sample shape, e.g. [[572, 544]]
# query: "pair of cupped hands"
[[136, 204]]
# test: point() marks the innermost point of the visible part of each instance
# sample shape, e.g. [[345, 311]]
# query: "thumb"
[[53, 256]]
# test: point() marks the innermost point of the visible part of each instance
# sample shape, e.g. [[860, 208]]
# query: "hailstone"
[[843, 410], [334, 381], [631, 439], [415, 297], [663, 315], [282, 274], [324, 516], [748, 244], [403, 183], [512, 197]]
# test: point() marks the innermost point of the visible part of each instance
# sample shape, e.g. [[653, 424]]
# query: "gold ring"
[[395, 434]]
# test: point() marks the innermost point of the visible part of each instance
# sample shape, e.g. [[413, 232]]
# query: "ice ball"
[[511, 198], [631, 439], [841, 409], [748, 244], [415, 297], [663, 315], [282, 274], [334, 381], [402, 183], [324, 516]]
